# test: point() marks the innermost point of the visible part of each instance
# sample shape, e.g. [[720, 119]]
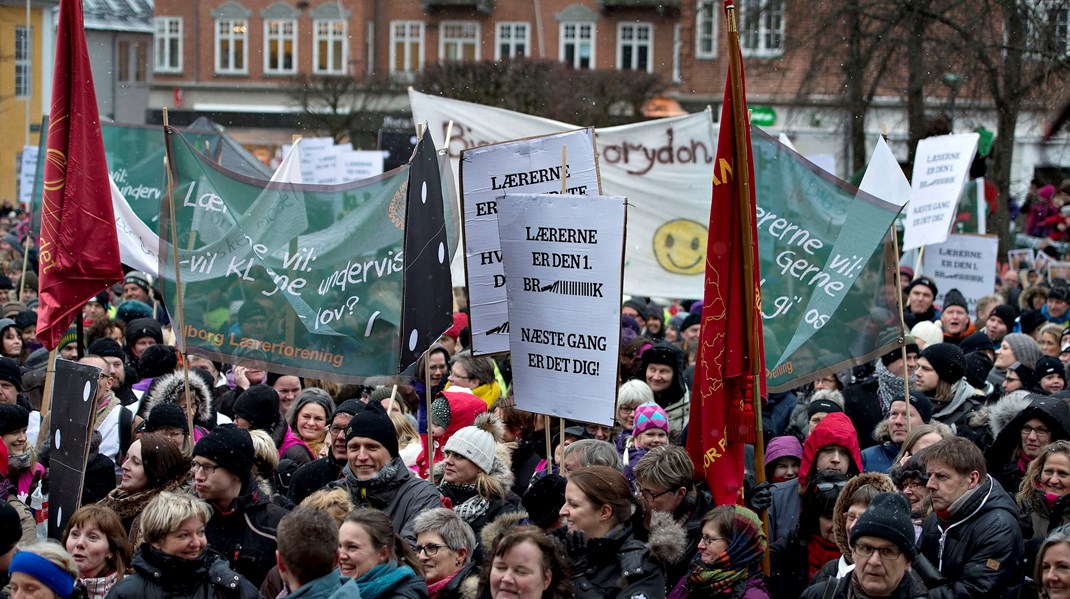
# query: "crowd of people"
[[941, 469]]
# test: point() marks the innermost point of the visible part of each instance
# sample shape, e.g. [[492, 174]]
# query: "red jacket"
[[464, 407], [835, 429]]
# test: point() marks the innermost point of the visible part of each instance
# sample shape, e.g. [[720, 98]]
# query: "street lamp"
[[952, 81]]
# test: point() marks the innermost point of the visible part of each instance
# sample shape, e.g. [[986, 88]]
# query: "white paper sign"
[[361, 165], [489, 172], [562, 258], [941, 165], [963, 262], [27, 172]]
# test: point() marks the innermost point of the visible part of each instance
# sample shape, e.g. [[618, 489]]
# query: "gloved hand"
[[576, 548], [761, 497]]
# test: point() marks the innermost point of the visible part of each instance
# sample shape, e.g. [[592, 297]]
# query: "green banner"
[[304, 278], [828, 287]]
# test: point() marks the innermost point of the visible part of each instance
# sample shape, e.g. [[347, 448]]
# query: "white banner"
[[487, 173], [963, 262], [941, 165], [562, 256], [27, 173], [662, 166]]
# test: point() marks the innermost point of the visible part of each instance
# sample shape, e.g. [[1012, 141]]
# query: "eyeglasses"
[[454, 375], [887, 553], [1041, 431], [830, 486], [337, 430], [431, 549], [707, 540], [208, 469], [650, 495]]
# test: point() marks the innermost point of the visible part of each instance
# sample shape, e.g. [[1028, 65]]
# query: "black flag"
[[427, 288]]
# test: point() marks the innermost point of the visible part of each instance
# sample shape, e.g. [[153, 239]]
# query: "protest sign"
[[1021, 258], [27, 173], [73, 404], [941, 165], [562, 261], [963, 262], [1058, 270], [532, 165]]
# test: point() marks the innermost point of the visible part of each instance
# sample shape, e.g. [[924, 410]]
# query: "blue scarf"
[[1061, 320], [381, 579]]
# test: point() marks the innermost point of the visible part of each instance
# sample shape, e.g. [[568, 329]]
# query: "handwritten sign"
[[966, 263], [562, 258], [941, 165], [487, 173]]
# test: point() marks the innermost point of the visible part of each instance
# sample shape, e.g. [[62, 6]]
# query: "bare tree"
[[339, 105]]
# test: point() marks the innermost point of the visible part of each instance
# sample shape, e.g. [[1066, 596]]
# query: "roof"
[[660, 5], [118, 15]]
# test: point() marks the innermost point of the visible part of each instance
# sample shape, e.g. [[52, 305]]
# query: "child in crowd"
[[782, 459], [650, 429]]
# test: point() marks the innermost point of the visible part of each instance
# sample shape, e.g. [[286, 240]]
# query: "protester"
[[153, 465], [543, 502], [662, 367], [438, 370], [1050, 374], [955, 317], [822, 403], [42, 568], [853, 500], [309, 568], [318, 473], [309, 417], [650, 429], [1044, 497], [526, 564], [588, 452], [175, 560], [921, 293], [171, 389], [630, 396], [476, 374], [729, 557], [782, 458], [168, 420], [893, 431], [797, 556], [520, 431], [380, 561], [445, 545], [1015, 347], [96, 539], [867, 401], [1024, 437], [451, 411], [1052, 573]]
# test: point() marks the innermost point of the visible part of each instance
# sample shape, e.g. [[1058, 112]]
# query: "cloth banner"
[[963, 262], [562, 261]]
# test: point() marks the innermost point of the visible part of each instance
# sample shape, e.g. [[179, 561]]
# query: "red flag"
[[722, 412], [79, 248]]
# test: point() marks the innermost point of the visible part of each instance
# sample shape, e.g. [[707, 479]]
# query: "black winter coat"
[[509, 504], [158, 575], [618, 565], [909, 588], [1002, 456], [313, 476], [979, 549], [863, 407], [245, 535]]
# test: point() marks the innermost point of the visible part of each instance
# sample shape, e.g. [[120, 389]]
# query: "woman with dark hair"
[[526, 564], [154, 464], [796, 557], [310, 415], [96, 540], [378, 559], [608, 538], [729, 557], [258, 409], [439, 370], [1024, 437]]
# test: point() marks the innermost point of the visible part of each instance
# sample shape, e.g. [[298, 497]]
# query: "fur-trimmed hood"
[[169, 388], [1004, 410], [667, 541], [881, 432], [882, 482]]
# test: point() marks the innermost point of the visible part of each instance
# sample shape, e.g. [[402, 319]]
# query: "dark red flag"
[[722, 410], [79, 248]]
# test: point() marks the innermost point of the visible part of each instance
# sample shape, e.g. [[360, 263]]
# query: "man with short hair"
[[137, 286], [941, 375], [1057, 309], [10, 381], [882, 547], [921, 293], [866, 401], [244, 520], [588, 452], [1011, 288], [308, 567], [973, 535], [955, 318], [112, 353], [690, 328], [636, 308], [311, 477], [1000, 323], [894, 430]]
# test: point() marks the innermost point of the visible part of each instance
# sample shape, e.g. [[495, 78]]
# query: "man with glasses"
[[882, 544], [973, 535], [115, 422], [244, 520], [316, 474]]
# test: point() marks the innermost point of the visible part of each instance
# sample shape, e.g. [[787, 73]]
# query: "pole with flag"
[[730, 367], [79, 246]]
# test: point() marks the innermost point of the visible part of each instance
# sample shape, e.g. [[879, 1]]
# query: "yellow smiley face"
[[680, 246]]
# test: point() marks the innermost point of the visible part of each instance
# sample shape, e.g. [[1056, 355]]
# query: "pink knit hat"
[[648, 416]]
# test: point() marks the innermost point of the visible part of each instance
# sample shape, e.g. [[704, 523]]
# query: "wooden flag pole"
[[46, 400], [899, 302], [179, 340], [549, 446], [390, 404], [752, 293]]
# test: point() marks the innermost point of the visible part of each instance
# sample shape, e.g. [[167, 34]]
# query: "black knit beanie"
[[954, 297], [106, 347], [823, 405], [976, 342], [921, 403], [12, 418], [166, 414], [926, 281], [544, 499], [351, 407], [259, 404], [374, 423], [9, 371], [1007, 313], [978, 365], [888, 518], [157, 360], [947, 360], [229, 447], [1049, 365], [897, 353], [143, 327], [10, 527]]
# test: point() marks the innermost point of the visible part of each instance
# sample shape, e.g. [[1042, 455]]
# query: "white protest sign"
[[1021, 258], [361, 165], [562, 257], [941, 165], [487, 173], [27, 173], [963, 262]]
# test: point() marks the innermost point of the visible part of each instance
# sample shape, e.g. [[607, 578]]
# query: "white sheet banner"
[[530, 165], [662, 166], [963, 262], [941, 165], [562, 257]]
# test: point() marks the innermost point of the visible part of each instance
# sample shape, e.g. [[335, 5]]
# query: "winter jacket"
[[689, 516], [964, 400], [909, 588], [170, 388], [524, 460], [978, 549], [331, 586], [457, 494], [313, 476], [158, 575], [880, 458], [396, 491], [464, 407], [1002, 457], [245, 533]]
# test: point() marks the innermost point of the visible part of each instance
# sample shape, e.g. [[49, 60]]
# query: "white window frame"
[[331, 37], [512, 27], [755, 40], [233, 38], [636, 44], [706, 29], [576, 39], [467, 28], [23, 61], [282, 36], [164, 60], [408, 38]]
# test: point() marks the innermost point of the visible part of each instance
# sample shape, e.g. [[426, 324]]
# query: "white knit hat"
[[478, 442]]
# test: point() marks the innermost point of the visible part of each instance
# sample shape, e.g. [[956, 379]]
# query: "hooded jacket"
[[170, 388], [245, 533], [978, 549], [464, 407], [964, 399], [396, 491], [158, 575], [674, 399], [1003, 456]]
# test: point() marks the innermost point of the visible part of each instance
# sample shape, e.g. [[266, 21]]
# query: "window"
[[706, 29], [280, 46], [577, 45], [168, 40], [330, 47], [1046, 27], [634, 47], [458, 40], [23, 62], [512, 41], [230, 48], [761, 28], [122, 62], [406, 47], [141, 60]]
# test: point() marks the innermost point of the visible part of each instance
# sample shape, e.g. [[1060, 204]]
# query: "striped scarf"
[[737, 563]]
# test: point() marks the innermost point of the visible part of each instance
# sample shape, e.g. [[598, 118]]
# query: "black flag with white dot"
[[427, 292]]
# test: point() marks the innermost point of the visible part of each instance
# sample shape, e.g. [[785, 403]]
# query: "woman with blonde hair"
[[1047, 337], [96, 539], [1044, 495], [42, 569], [408, 439]]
